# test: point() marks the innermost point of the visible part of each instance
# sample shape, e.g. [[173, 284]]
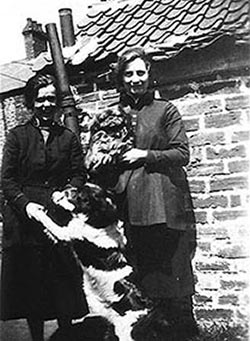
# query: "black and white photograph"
[[124, 170]]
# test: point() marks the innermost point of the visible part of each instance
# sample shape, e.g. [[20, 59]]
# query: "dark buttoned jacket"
[[158, 190], [32, 170]]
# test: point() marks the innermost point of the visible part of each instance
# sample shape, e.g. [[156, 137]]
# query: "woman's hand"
[[134, 155], [34, 210]]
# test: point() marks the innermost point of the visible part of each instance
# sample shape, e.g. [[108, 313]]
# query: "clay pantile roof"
[[14, 75], [166, 26], [163, 27]]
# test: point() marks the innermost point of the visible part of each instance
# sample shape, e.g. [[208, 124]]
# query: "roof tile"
[[164, 26], [14, 75], [171, 23]]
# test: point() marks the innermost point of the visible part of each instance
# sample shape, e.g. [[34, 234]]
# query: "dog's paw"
[[58, 234]]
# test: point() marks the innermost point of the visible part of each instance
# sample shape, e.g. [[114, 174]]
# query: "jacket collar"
[[37, 124], [128, 100]]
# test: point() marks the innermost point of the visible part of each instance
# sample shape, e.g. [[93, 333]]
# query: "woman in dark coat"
[[40, 280], [158, 209]]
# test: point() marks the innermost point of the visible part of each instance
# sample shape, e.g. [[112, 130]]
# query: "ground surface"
[[18, 330]]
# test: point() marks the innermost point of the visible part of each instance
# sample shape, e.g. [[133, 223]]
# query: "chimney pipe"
[[67, 100], [67, 28]]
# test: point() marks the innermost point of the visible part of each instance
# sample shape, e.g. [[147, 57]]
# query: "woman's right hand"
[[33, 210], [134, 155]]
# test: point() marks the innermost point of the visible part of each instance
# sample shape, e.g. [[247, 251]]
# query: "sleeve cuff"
[[150, 158], [20, 202]]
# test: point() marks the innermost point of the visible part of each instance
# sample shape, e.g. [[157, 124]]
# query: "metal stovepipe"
[[67, 100]]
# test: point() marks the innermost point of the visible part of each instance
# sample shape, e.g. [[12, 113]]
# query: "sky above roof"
[[13, 15], [164, 27]]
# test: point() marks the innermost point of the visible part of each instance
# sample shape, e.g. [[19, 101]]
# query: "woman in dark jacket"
[[159, 215], [40, 280]]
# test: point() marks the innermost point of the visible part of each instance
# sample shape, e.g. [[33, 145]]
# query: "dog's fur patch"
[[93, 328], [98, 242]]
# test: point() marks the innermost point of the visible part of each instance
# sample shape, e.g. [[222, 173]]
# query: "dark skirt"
[[162, 257], [43, 282]]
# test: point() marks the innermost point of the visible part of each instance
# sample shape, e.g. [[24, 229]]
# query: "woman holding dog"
[[40, 156], [158, 209]]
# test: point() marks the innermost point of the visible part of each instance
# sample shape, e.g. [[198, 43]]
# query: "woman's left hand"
[[134, 155]]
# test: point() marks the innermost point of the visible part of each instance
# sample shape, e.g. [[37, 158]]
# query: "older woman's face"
[[136, 78], [45, 102]]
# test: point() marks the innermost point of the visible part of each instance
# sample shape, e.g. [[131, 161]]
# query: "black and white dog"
[[88, 220]]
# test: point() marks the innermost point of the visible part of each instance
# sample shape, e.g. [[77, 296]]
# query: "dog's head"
[[91, 200]]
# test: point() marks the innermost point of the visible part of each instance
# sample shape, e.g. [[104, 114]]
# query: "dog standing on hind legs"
[[88, 220]]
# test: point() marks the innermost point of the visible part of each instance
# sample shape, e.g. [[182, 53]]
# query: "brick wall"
[[217, 124], [218, 130], [12, 112]]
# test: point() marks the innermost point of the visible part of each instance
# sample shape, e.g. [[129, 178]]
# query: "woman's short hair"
[[126, 57], [35, 83]]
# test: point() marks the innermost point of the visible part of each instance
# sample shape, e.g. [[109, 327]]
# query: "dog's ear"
[[60, 216], [96, 196], [102, 210]]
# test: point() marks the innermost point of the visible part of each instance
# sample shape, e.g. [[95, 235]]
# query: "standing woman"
[[158, 209], [39, 157]]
